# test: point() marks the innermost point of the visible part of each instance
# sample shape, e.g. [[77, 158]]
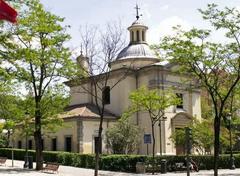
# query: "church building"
[[81, 121]]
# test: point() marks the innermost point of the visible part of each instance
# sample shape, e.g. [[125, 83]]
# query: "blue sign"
[[147, 139]]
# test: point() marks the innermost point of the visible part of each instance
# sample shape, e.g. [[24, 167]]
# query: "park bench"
[[179, 166], [3, 160], [51, 167]]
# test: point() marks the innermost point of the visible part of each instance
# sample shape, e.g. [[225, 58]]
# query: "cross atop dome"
[[137, 14]]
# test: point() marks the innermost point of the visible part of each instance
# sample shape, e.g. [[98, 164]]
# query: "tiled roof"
[[85, 111]]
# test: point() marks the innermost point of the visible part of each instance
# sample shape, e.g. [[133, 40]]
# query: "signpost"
[[147, 140]]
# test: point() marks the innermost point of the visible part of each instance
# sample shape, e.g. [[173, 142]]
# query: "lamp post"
[[12, 148], [232, 164], [26, 163], [164, 118]]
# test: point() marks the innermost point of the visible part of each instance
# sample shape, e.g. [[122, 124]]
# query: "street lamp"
[[26, 163], [164, 118], [11, 132], [229, 118]]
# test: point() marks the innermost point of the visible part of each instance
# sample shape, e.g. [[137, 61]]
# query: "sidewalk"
[[18, 170]]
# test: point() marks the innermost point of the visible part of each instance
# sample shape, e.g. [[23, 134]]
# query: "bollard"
[[25, 162], [30, 162]]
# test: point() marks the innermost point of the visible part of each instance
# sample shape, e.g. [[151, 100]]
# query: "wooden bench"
[[3, 160], [51, 167], [180, 166]]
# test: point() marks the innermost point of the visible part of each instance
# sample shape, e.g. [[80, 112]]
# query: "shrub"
[[50, 156], [18, 153], [124, 163], [65, 158]]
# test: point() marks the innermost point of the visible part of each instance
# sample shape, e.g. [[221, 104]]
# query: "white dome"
[[140, 50]]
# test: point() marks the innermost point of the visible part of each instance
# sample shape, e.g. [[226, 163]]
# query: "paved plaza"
[[73, 171]]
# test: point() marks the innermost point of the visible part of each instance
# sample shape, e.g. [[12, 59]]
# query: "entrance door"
[[180, 149], [68, 144], [54, 144]]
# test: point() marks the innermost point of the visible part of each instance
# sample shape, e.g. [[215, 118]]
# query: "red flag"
[[7, 12]]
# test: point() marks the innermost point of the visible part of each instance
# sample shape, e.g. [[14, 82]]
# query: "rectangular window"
[[19, 144], [106, 95], [180, 104], [98, 142], [29, 144], [54, 144], [68, 144]]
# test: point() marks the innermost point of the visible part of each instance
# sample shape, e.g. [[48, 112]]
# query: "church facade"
[[81, 121]]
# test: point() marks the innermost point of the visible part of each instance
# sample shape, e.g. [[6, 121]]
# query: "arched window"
[[143, 36], [106, 95], [132, 36], [138, 37]]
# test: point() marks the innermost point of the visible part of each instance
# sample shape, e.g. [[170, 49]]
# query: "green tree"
[[101, 48], [9, 108], [123, 137], [39, 59], [214, 64], [154, 102], [202, 133], [206, 107], [3, 137]]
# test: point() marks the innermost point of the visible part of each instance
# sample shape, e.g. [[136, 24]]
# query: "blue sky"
[[158, 15]]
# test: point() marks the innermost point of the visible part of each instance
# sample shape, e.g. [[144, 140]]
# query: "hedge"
[[124, 163], [64, 158]]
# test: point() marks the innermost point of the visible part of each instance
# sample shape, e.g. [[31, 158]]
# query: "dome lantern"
[[137, 30], [138, 53], [83, 62]]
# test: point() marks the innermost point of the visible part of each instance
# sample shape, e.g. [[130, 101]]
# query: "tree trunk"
[[96, 163], [216, 144], [38, 138], [98, 146], [153, 150]]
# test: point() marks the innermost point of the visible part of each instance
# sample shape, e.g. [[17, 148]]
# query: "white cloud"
[[164, 7], [237, 8], [145, 11], [165, 28]]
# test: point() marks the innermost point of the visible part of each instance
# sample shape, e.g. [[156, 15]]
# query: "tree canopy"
[[123, 137], [35, 54], [154, 102], [216, 65]]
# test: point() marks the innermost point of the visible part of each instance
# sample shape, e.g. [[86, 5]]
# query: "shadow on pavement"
[[13, 170]]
